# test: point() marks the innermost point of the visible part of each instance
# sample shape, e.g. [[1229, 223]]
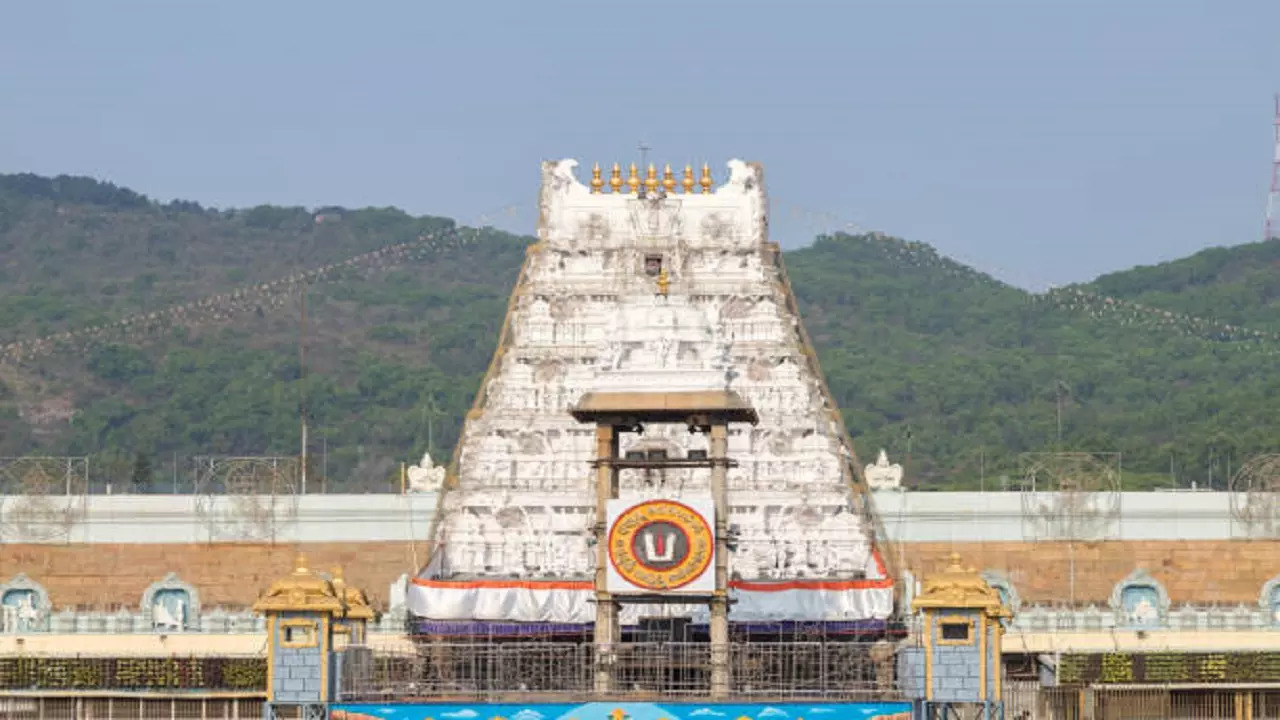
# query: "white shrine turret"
[[883, 476]]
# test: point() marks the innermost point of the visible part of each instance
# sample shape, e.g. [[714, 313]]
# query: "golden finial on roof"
[[959, 587], [301, 590], [668, 180], [705, 182], [634, 180], [615, 178], [664, 282], [651, 179], [597, 185], [688, 181]]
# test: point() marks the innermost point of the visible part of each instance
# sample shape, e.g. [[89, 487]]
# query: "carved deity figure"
[[740, 176], [22, 616], [1144, 612], [512, 558], [666, 352], [28, 613], [585, 557], [168, 615], [563, 178], [474, 555]]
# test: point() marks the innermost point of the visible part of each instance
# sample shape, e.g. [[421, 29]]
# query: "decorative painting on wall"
[[624, 711]]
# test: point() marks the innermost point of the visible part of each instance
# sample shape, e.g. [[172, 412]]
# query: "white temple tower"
[[651, 284]]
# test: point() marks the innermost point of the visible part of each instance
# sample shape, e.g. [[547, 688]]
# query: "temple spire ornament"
[[615, 179], [597, 184], [668, 180]]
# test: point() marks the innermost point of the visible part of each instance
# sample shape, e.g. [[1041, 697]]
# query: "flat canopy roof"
[[675, 407]]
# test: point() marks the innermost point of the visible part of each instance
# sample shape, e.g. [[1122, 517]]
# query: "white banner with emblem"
[[661, 546]]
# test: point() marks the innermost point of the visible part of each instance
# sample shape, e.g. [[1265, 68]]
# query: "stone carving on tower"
[[883, 476], [650, 282], [426, 476]]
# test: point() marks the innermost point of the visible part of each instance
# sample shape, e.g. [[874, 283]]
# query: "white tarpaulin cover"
[[574, 601]]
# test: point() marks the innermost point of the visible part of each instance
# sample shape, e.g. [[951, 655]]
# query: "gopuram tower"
[[649, 283]]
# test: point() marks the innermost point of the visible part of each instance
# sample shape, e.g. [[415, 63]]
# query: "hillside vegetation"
[[950, 370]]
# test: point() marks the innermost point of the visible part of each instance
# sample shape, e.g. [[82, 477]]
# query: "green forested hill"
[[1237, 285], [929, 359], [971, 370]]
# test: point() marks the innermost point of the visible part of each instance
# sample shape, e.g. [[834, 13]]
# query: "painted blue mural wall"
[[623, 711]]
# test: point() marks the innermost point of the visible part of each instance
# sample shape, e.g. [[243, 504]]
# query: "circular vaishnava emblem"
[[660, 545]]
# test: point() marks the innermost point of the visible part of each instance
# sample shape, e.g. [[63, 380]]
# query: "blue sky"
[[1043, 141]]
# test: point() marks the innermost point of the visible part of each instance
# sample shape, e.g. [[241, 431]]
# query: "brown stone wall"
[[1192, 571], [226, 574], [232, 574]]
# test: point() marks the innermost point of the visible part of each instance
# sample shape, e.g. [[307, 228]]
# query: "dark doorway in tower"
[[665, 629], [652, 265]]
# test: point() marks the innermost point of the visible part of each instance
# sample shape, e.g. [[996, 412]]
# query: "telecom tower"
[[1273, 197]]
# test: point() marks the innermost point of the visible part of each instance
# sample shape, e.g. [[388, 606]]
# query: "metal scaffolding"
[[551, 670]]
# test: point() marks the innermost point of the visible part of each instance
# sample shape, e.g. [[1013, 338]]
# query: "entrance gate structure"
[[657, 550], [574, 557]]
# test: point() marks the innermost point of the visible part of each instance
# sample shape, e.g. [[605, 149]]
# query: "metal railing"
[[1184, 618], [87, 675], [1029, 701], [129, 708], [758, 670]]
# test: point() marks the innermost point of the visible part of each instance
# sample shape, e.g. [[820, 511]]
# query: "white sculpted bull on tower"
[[651, 285]]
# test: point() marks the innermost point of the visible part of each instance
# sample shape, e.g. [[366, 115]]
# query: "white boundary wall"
[[1016, 516], [202, 519], [907, 517]]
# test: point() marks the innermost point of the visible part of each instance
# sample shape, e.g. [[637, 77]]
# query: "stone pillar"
[[607, 631], [719, 456]]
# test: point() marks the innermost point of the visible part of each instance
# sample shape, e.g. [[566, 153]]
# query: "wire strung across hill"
[[1125, 312], [1095, 306], [1076, 300], [224, 306], [274, 294]]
